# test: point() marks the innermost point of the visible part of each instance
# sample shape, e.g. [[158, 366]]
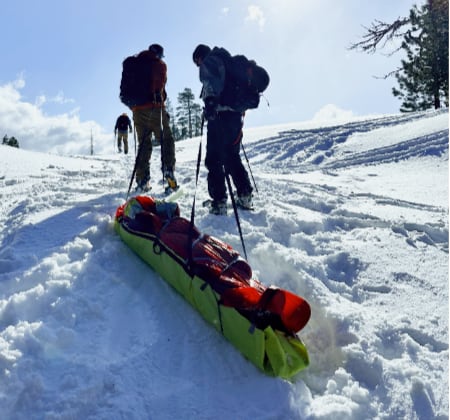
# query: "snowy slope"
[[354, 217]]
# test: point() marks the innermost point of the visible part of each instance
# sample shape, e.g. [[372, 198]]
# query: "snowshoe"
[[169, 190], [219, 208], [143, 188], [171, 180], [245, 202]]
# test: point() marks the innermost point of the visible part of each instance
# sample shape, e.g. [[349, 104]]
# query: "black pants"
[[222, 155]]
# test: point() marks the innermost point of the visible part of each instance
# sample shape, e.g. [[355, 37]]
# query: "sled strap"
[[267, 296], [220, 315], [157, 243], [219, 312]]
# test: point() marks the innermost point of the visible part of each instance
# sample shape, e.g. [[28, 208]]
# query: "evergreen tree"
[[11, 141], [197, 112], [188, 114], [173, 125], [423, 75], [423, 78]]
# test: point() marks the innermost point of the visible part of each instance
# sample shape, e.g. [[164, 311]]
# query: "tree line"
[[10, 141], [423, 75], [186, 118]]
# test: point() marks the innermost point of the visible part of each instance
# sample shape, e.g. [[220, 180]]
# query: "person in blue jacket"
[[224, 131]]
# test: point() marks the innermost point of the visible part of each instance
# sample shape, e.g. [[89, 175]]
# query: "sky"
[[61, 60], [359, 230]]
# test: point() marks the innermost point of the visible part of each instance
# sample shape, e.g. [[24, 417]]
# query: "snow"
[[352, 216]]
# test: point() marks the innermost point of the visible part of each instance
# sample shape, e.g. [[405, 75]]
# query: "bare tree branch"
[[390, 74], [379, 34]]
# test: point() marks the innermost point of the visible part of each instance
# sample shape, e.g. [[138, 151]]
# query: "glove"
[[210, 109]]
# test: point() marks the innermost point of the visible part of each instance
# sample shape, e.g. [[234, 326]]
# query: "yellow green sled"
[[262, 322]]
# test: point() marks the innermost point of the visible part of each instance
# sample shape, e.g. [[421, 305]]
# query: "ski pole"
[[236, 215], [249, 167], [192, 222], [161, 140], [140, 147], [134, 136]]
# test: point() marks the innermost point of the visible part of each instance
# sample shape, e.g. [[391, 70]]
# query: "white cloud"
[[19, 83], [40, 100], [255, 14], [62, 133], [332, 112], [59, 98]]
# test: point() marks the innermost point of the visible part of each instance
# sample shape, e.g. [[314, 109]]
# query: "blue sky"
[[61, 59]]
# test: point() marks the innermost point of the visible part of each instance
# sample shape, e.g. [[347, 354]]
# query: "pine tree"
[[172, 119], [11, 141], [197, 112], [423, 78], [423, 75], [188, 114]]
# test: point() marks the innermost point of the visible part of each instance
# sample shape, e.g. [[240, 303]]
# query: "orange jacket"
[[158, 82]]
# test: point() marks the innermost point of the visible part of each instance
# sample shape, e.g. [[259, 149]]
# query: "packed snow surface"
[[353, 217]]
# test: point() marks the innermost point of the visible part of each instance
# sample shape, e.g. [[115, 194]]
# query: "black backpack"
[[136, 79], [245, 81]]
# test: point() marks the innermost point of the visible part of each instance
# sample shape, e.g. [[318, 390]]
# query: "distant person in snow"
[[123, 124], [149, 118], [224, 131]]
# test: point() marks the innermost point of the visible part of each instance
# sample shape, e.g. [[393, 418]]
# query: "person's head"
[[200, 52], [157, 50]]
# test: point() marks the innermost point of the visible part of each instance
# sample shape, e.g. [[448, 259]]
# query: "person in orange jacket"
[[148, 119]]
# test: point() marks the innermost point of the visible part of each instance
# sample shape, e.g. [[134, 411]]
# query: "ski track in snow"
[[88, 331]]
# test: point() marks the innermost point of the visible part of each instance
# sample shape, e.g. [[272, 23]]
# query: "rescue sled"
[[262, 322]]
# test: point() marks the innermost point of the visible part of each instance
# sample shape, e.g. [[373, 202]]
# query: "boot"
[[218, 208], [245, 201], [142, 187], [170, 178]]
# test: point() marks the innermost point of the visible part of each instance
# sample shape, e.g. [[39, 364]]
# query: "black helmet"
[[201, 51], [157, 50]]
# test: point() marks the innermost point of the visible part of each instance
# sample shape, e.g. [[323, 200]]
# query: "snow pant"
[[147, 122], [122, 136], [222, 155]]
